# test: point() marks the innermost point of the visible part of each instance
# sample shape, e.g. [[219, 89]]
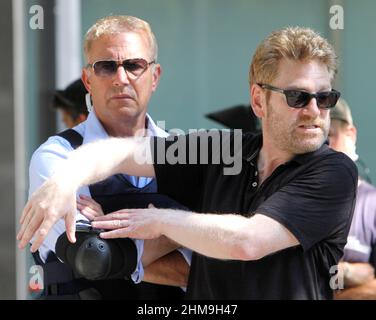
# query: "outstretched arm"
[[88, 164], [221, 236]]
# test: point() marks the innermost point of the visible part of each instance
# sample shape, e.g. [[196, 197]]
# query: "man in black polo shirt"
[[272, 226]]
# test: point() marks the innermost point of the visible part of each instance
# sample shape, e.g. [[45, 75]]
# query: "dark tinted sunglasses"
[[134, 67], [299, 98]]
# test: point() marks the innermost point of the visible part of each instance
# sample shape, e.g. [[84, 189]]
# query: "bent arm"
[[356, 274], [157, 248], [171, 269], [365, 291]]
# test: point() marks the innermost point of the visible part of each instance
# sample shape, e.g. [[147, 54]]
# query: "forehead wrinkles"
[[310, 76], [120, 46]]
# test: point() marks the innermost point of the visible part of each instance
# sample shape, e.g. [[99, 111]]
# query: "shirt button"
[[254, 184]]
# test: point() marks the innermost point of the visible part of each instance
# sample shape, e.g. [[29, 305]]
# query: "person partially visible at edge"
[[359, 261], [70, 103], [274, 228]]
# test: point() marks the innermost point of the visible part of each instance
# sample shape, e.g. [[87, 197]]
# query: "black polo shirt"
[[312, 195]]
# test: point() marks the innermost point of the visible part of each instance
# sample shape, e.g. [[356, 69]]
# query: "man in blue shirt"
[[120, 76]]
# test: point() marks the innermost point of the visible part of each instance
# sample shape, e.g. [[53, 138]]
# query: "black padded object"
[[94, 258]]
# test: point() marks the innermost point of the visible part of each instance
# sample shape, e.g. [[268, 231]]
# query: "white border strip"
[[67, 44], [20, 149]]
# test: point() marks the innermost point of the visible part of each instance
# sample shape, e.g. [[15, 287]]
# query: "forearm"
[[356, 273], [217, 236], [96, 161], [157, 248], [226, 236], [171, 269], [364, 292]]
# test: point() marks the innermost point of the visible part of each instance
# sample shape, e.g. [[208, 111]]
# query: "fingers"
[[110, 225], [30, 227], [89, 207], [89, 202], [89, 216], [25, 212], [70, 226], [41, 233], [24, 226], [119, 233], [87, 212], [117, 215]]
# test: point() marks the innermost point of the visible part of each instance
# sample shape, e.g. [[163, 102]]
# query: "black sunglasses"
[[299, 98], [135, 67]]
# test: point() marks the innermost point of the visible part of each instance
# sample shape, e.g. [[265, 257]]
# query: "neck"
[[270, 158], [126, 128]]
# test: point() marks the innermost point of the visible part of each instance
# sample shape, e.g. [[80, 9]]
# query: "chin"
[[309, 145]]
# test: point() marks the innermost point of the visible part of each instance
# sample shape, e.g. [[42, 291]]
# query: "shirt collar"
[[94, 130], [252, 147], [302, 158]]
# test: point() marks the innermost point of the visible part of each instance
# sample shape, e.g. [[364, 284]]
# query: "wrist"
[[65, 181], [165, 220]]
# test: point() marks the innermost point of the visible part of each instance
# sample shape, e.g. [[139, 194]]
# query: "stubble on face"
[[289, 138]]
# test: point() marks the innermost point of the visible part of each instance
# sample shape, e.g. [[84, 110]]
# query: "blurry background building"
[[205, 47]]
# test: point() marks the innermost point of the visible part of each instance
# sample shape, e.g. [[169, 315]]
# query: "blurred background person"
[[70, 103], [359, 260]]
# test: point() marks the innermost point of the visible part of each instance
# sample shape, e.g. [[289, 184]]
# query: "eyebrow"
[[323, 89]]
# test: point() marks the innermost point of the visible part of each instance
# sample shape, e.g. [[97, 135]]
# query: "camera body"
[[94, 258]]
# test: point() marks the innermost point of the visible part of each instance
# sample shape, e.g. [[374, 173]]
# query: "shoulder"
[[54, 145], [368, 188], [52, 150], [330, 164], [46, 159], [367, 193]]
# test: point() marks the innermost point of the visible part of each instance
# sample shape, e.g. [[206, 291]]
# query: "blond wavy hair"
[[295, 43], [118, 24]]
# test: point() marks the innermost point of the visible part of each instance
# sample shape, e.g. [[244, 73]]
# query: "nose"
[[121, 77], [312, 109]]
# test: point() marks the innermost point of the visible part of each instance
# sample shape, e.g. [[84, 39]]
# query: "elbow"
[[244, 250]]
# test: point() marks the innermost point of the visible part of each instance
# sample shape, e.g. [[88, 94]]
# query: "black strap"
[[73, 137]]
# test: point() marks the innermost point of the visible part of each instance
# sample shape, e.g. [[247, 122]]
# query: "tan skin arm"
[[365, 291], [359, 281], [171, 269]]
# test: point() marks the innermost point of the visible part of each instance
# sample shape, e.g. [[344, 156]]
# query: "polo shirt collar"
[[251, 151], [302, 158]]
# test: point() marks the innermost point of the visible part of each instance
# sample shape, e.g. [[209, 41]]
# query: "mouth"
[[121, 97], [310, 128]]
